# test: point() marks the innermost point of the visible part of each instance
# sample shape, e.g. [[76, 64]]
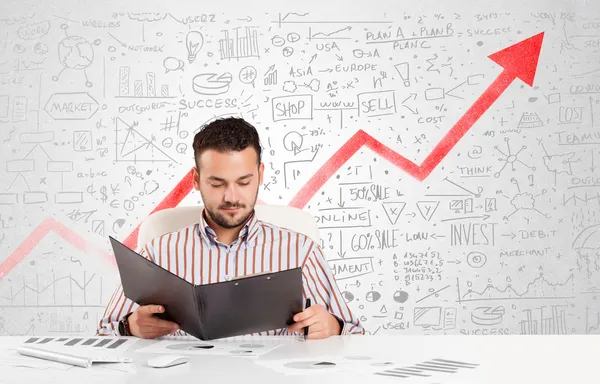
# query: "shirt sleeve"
[[319, 284], [119, 305]]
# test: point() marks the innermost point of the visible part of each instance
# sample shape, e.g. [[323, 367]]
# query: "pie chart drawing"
[[293, 142], [348, 296], [189, 347], [310, 365], [211, 83], [400, 296], [373, 296]]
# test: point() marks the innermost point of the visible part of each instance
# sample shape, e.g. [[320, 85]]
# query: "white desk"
[[502, 359]]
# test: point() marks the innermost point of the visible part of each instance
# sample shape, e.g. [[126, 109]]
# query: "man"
[[229, 241]]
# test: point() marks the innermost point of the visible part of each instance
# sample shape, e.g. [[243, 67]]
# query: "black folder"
[[212, 311]]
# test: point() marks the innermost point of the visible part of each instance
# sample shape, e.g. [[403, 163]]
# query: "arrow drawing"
[[519, 61]]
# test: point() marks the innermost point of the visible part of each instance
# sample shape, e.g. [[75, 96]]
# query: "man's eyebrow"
[[220, 179]]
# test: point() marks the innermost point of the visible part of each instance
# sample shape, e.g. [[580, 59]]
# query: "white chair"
[[174, 219]]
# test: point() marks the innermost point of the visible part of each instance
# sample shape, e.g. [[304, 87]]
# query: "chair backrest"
[[174, 219]]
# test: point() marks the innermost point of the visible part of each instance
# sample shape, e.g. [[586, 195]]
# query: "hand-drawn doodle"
[[248, 75], [172, 64], [75, 52], [239, 47], [194, 41], [553, 321], [140, 91], [132, 146], [211, 84], [395, 132]]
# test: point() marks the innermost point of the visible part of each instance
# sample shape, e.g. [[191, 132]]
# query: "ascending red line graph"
[[518, 61], [41, 231]]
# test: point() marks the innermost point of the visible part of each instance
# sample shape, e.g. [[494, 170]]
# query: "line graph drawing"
[[525, 70], [539, 288], [46, 227], [506, 58], [300, 19], [334, 35], [28, 331], [65, 291]]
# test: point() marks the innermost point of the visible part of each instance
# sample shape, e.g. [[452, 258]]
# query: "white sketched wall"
[[98, 109]]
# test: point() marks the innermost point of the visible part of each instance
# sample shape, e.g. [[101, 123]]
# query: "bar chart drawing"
[[592, 321], [552, 321], [239, 47], [142, 89]]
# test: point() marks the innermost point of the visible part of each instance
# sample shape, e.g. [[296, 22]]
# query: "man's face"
[[228, 183]]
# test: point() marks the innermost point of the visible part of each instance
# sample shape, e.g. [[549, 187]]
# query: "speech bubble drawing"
[[172, 64]]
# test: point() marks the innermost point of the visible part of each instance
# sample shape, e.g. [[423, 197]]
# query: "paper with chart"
[[93, 347], [223, 347], [419, 371]]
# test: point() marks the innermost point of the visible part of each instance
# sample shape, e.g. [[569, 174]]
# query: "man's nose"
[[230, 193]]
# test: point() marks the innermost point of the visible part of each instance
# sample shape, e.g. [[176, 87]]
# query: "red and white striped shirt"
[[195, 254]]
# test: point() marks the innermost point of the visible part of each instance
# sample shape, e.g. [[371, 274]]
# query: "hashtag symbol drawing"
[[169, 124]]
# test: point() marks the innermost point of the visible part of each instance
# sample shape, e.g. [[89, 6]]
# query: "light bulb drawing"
[[193, 42]]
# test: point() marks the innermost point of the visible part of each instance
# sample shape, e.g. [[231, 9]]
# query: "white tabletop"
[[501, 359]]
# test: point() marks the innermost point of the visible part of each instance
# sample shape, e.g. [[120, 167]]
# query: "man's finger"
[[151, 309], [156, 330], [154, 335], [302, 324], [308, 312], [159, 323]]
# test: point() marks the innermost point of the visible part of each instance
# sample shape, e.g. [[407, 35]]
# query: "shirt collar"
[[206, 232]]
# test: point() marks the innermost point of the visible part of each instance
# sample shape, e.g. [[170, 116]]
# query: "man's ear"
[[196, 177], [261, 171]]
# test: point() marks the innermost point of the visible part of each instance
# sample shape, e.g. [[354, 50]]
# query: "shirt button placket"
[[228, 250]]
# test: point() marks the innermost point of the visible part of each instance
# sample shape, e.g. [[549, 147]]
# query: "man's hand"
[[143, 324], [321, 324]]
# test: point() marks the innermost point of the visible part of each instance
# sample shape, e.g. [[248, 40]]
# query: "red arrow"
[[40, 232], [181, 190], [519, 60]]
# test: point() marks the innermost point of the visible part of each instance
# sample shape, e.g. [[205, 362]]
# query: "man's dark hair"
[[225, 135]]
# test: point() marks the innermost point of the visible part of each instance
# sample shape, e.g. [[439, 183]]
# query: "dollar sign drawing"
[[103, 193]]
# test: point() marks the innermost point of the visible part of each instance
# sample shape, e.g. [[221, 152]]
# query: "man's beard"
[[225, 222]]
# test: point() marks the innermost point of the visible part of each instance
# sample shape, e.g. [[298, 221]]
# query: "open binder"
[[211, 311]]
